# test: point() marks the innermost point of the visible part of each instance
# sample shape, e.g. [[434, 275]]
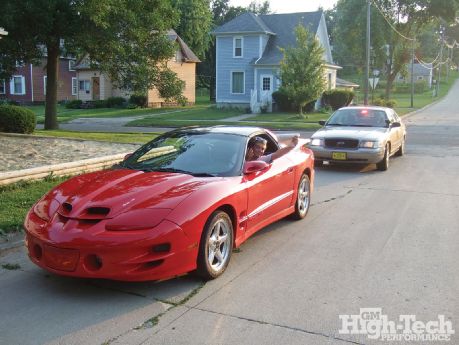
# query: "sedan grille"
[[342, 143]]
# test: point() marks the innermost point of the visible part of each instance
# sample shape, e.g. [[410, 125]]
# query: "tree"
[[125, 38], [302, 69], [195, 24]]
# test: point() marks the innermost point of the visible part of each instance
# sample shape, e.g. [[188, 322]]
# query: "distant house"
[[248, 55], [95, 85], [421, 72], [344, 84], [28, 83]]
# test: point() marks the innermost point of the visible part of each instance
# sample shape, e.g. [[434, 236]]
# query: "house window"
[[2, 87], [74, 86], [420, 77], [84, 85], [45, 78], [237, 82], [266, 84], [237, 43], [17, 85], [71, 65], [19, 63]]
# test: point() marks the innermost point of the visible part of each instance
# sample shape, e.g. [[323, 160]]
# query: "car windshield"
[[359, 118], [193, 152]]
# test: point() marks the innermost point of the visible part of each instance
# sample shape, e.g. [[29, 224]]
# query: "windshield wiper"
[[203, 174], [172, 170], [336, 124]]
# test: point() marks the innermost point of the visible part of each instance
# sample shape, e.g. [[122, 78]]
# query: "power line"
[[390, 24]]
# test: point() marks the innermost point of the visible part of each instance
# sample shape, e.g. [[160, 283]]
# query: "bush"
[[100, 103], [14, 119], [337, 98], [139, 100], [74, 104], [282, 100], [390, 103], [403, 88], [113, 102], [420, 86]]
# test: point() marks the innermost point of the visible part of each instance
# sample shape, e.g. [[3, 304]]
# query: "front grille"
[[341, 143]]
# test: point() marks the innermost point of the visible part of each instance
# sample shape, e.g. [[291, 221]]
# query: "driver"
[[257, 146]]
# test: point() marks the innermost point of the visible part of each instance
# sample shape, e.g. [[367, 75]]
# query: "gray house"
[[248, 56], [420, 72]]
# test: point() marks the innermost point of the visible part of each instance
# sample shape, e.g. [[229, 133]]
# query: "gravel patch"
[[29, 152]]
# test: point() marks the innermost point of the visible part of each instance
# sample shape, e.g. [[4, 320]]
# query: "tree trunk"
[[52, 74]]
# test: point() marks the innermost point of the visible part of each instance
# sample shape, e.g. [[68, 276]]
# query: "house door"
[[266, 84], [95, 88]]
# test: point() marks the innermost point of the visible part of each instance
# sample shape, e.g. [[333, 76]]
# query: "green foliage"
[[390, 103], [170, 87], [100, 103], [138, 100], [420, 86], [302, 69], [14, 119], [337, 98], [74, 104], [115, 102], [284, 103], [195, 24]]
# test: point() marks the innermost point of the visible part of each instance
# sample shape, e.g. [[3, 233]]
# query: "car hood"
[[109, 193], [365, 133]]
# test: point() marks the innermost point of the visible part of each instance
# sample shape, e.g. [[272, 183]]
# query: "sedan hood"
[[362, 133], [108, 193]]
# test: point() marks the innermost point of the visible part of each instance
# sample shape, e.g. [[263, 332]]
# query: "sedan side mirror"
[[396, 124], [254, 166], [322, 122]]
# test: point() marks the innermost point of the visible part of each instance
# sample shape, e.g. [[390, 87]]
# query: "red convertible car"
[[179, 203]]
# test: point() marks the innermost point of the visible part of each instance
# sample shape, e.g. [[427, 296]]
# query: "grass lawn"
[[16, 199], [131, 138], [290, 117]]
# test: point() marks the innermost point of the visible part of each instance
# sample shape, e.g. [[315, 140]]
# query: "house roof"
[[421, 69], [280, 28], [187, 53], [344, 83]]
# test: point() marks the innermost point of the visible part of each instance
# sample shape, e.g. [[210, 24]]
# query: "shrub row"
[[390, 103], [111, 102], [337, 98], [14, 119]]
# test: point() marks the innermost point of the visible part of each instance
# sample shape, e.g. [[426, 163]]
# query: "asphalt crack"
[[406, 191], [332, 199]]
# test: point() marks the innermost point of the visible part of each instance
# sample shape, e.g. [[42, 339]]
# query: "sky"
[[290, 6]]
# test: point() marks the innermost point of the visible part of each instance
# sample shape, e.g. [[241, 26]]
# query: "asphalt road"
[[372, 239]]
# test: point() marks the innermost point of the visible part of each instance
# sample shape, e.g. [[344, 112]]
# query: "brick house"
[[28, 84], [95, 85]]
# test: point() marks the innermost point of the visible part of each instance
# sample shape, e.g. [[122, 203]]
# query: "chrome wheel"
[[216, 245], [303, 198]]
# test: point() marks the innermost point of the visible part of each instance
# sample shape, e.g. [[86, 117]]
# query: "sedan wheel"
[[303, 198], [384, 164], [216, 246]]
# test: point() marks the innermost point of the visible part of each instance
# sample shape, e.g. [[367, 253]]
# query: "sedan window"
[[359, 118]]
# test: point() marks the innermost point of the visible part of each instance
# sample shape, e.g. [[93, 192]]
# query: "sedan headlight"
[[369, 144], [316, 142]]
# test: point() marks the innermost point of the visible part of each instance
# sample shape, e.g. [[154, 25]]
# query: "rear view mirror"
[[254, 166]]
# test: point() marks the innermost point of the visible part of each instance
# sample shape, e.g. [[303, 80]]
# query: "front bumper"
[[360, 155], [152, 254]]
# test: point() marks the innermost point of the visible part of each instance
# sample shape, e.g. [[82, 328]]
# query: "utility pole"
[[412, 73], [367, 68], [441, 61]]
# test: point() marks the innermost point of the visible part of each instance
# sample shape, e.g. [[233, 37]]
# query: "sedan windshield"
[[195, 153], [359, 118]]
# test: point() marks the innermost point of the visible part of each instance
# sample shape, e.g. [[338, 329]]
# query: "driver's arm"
[[282, 151]]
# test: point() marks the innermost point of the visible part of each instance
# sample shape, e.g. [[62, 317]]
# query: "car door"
[[269, 193], [395, 132]]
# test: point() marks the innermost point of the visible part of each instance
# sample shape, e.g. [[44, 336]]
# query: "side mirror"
[[322, 122], [254, 166], [396, 124], [127, 156]]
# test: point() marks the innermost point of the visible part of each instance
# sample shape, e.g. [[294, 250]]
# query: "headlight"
[[317, 142], [369, 144]]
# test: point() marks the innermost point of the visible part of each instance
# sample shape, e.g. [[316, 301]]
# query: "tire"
[[384, 164], [303, 199], [215, 246], [401, 149]]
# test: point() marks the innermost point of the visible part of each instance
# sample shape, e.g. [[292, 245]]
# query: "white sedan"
[[360, 134]]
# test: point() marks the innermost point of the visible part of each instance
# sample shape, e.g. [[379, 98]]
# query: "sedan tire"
[[303, 198], [215, 246], [384, 164]]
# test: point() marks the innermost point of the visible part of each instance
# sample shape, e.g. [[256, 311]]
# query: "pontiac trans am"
[[179, 203]]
